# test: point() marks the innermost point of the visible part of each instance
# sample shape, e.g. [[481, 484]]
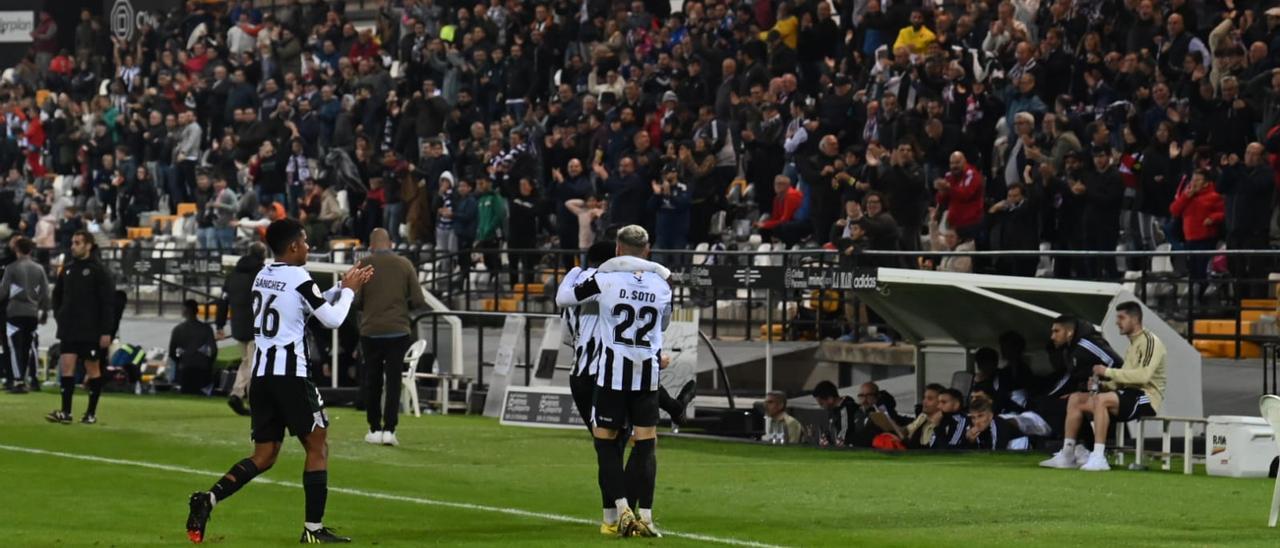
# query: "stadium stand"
[[781, 130]]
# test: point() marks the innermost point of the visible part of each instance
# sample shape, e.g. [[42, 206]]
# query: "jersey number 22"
[[648, 317]]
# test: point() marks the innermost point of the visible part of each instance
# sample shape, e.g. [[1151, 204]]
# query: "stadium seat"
[[962, 381], [207, 311], [499, 305], [718, 222], [1163, 263], [762, 257], [1270, 407], [531, 289], [344, 243], [1045, 265], [160, 223], [1131, 278], [139, 233], [1120, 261], [409, 382], [699, 255], [186, 208]]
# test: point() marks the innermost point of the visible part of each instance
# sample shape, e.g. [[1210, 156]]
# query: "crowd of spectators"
[[855, 124]]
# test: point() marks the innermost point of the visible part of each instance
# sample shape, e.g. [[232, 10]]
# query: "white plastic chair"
[[1270, 407], [409, 380]]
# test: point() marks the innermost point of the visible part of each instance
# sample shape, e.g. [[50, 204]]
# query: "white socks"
[[1068, 445], [1100, 449], [313, 527], [646, 515], [622, 505], [611, 515]]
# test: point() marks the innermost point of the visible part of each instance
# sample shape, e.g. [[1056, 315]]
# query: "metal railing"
[[524, 280], [350, 4], [483, 320], [736, 313]]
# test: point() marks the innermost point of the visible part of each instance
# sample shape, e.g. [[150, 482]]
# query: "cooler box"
[[1240, 447]]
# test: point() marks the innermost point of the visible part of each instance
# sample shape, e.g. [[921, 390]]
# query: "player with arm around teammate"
[[283, 397], [635, 308], [580, 328]]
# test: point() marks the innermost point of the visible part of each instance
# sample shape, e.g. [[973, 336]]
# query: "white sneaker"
[[1097, 463], [1082, 455], [373, 437], [1061, 460], [389, 438]]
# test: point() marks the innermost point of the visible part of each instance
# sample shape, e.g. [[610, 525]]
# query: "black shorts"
[[583, 388], [1134, 403], [85, 350], [615, 409], [285, 402]]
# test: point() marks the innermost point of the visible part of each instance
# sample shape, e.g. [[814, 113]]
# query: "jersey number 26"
[[269, 324]]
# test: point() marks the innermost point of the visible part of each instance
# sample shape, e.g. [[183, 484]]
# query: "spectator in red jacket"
[[782, 223], [960, 192], [1202, 211], [364, 48]]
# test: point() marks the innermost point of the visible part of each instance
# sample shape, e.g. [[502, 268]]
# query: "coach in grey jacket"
[[24, 289]]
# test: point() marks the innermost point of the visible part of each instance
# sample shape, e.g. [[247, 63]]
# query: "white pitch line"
[[376, 495]]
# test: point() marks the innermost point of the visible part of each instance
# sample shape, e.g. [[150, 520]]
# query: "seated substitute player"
[[920, 431], [282, 395], [949, 432], [989, 432], [841, 411], [635, 308], [1133, 390], [1074, 347]]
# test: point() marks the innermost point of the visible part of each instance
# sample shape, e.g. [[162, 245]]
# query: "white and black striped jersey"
[[580, 323], [635, 308], [283, 297]]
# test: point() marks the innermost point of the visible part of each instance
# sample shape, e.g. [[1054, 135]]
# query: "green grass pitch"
[[469, 481]]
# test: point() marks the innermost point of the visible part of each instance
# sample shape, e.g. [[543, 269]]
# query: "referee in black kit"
[[384, 304], [84, 304]]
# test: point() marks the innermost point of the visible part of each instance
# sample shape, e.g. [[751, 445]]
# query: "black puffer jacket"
[[1073, 363], [84, 300], [237, 294]]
